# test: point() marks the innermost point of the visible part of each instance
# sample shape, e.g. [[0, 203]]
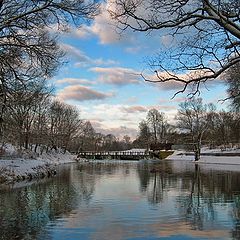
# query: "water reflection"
[[123, 200], [202, 194], [25, 211]]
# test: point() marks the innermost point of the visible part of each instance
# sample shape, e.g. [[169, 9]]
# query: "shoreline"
[[207, 158], [21, 169]]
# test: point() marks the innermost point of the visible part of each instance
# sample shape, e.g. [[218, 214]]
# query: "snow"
[[19, 165], [141, 150], [27, 164], [233, 160]]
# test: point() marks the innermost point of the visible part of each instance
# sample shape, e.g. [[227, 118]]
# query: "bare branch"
[[206, 34]]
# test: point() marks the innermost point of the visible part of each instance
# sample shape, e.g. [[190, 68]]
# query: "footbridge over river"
[[119, 155]]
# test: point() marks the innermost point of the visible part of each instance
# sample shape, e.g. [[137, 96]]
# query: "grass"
[[165, 154]]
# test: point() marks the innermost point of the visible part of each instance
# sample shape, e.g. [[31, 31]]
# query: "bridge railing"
[[126, 153]]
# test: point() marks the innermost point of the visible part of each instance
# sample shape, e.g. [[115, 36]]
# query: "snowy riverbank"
[[208, 159], [30, 165]]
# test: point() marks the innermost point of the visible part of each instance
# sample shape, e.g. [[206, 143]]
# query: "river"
[[125, 200]]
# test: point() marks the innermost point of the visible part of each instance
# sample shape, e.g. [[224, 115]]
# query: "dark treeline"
[[34, 120], [30, 55], [31, 118], [195, 124]]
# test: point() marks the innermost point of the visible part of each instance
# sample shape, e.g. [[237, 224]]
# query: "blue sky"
[[101, 77]]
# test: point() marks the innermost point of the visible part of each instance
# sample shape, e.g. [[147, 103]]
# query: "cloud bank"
[[82, 93]]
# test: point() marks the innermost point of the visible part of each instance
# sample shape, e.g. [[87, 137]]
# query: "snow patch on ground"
[[19, 165], [234, 160]]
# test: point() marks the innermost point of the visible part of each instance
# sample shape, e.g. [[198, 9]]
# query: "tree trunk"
[[197, 152], [26, 140], [2, 108], [35, 149], [197, 149]]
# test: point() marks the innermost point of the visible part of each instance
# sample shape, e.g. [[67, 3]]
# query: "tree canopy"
[[233, 82]]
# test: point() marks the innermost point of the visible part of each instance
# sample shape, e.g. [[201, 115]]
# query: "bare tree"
[[193, 118], [98, 141], [144, 137], [227, 128], [86, 137], [71, 125], [157, 124], [127, 141], [21, 109], [28, 50], [233, 82], [40, 126], [108, 142], [205, 36]]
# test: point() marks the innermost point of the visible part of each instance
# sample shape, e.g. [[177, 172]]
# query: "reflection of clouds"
[[82, 216], [104, 210], [119, 231], [118, 210], [183, 228], [120, 181]]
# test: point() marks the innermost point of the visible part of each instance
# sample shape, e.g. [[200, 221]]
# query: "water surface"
[[125, 200]]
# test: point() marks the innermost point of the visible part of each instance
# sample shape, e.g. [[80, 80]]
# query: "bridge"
[[119, 155]]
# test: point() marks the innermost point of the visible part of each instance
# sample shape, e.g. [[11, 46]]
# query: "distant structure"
[[161, 146], [132, 154]]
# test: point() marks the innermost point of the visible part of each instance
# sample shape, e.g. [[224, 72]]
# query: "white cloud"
[[83, 32], [82, 60], [117, 76], [104, 28], [133, 49], [82, 93], [74, 81], [134, 109], [121, 119], [120, 132], [178, 85]]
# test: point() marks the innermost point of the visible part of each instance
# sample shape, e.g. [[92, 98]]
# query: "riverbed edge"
[[20, 169]]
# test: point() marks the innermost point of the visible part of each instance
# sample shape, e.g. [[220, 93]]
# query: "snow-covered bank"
[[30, 165], [181, 155]]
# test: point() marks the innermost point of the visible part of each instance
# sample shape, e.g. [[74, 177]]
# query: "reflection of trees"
[[198, 192], [24, 212], [236, 217], [154, 182], [144, 175], [204, 189], [101, 167], [191, 204], [88, 174], [159, 182], [156, 193], [27, 210]]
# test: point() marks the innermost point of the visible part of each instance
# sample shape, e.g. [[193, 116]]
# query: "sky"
[[101, 77]]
